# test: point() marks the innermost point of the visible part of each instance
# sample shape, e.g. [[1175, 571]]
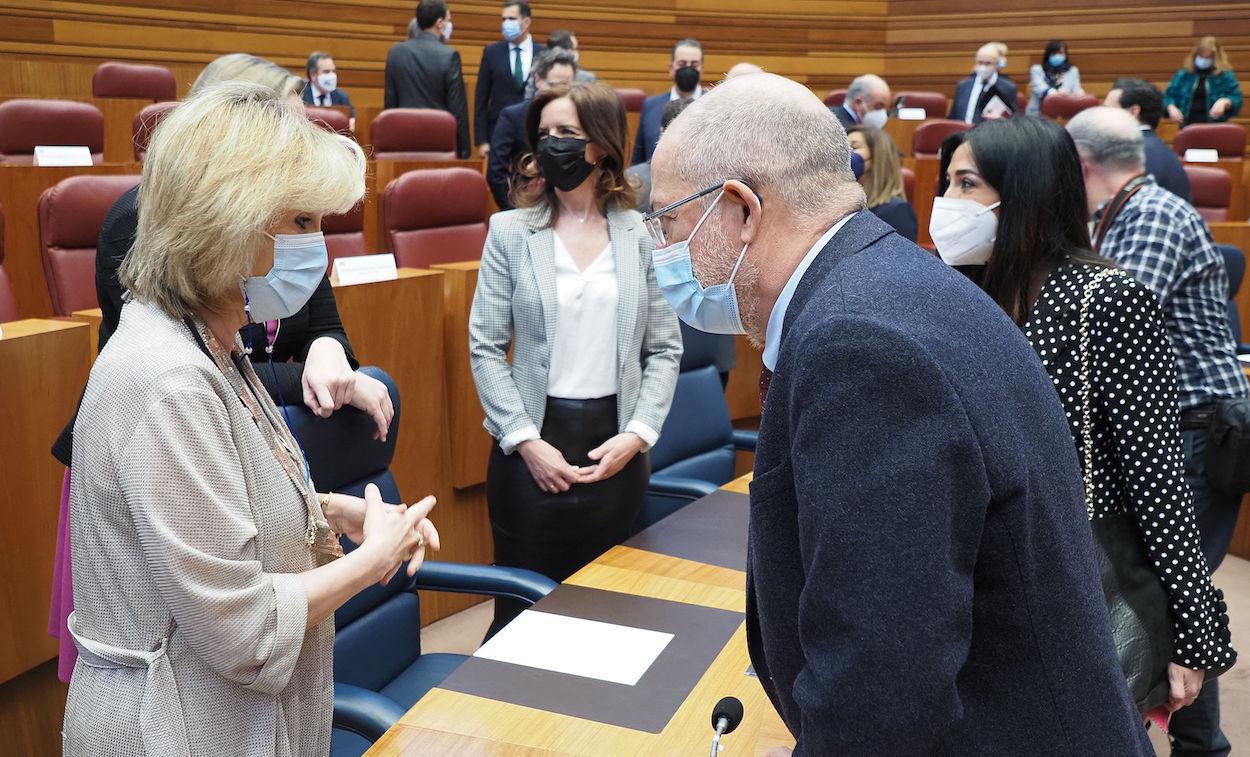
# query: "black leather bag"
[[1137, 602], [1227, 465]]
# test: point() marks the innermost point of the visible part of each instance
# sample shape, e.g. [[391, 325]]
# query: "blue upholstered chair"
[[697, 450], [1235, 264], [379, 671]]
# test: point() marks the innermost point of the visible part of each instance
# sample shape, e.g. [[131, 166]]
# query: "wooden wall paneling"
[[32, 708], [743, 392], [1238, 235], [470, 444], [43, 368]]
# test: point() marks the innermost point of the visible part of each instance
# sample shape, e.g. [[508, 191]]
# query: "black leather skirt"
[[556, 534]]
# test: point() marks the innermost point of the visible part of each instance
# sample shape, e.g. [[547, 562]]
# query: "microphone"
[[726, 716]]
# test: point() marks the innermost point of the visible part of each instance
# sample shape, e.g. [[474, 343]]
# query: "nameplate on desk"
[[62, 155], [1202, 155], [364, 269], [912, 114]]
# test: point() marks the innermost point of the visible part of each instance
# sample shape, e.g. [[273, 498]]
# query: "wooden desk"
[[93, 318], [470, 444], [382, 173], [926, 170], [43, 368], [446, 722], [1235, 170], [743, 393], [20, 189], [901, 132]]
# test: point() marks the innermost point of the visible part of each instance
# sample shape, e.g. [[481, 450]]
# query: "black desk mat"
[[711, 530]]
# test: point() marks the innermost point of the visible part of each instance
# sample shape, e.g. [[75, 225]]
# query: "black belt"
[[1197, 418]]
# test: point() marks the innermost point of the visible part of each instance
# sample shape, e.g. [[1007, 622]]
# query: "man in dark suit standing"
[[502, 74], [323, 86], [974, 94], [1145, 102], [867, 101], [921, 572], [685, 69], [424, 71]]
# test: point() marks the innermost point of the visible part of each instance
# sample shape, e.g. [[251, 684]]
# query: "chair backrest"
[[345, 234], [631, 99], [835, 97], [70, 216], [1022, 102], [1229, 140], [145, 123], [1066, 104], [413, 134], [113, 79], [927, 140], [697, 438], [934, 103], [909, 184], [1211, 190], [1235, 264], [26, 124], [329, 119], [436, 216]]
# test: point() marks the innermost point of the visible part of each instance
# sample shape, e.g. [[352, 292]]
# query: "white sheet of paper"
[[59, 155], [586, 648], [1244, 359], [1202, 155], [912, 114], [995, 108], [364, 269]]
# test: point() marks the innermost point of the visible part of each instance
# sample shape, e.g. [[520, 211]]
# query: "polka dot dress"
[[1138, 463]]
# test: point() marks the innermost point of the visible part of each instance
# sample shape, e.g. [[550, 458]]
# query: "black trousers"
[[558, 534]]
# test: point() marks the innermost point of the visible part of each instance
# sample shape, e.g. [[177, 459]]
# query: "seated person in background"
[[1145, 102], [882, 179], [973, 94], [642, 171], [323, 86], [1054, 74], [866, 102], [1205, 89], [740, 69], [509, 142]]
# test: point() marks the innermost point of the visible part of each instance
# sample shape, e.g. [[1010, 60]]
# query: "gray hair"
[[773, 134], [244, 67], [861, 85], [1109, 138]]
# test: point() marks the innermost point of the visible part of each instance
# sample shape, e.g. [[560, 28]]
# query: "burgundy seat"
[[8, 303], [1066, 104], [70, 215], [329, 119], [934, 103], [1227, 139], [26, 124], [927, 140], [835, 97], [631, 99], [909, 184], [1212, 191], [1022, 102], [145, 122], [345, 234], [115, 79], [435, 216], [413, 134]]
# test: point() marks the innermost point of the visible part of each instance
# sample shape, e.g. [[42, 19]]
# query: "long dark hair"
[[1034, 166]]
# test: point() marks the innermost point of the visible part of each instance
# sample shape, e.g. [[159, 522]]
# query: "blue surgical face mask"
[[511, 29], [1203, 64], [299, 264], [1057, 60], [712, 309]]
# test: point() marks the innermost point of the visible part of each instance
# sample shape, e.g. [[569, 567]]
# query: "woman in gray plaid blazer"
[[566, 281]]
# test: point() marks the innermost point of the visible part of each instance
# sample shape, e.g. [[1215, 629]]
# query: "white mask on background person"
[[328, 82], [984, 72], [876, 118], [447, 30], [963, 230]]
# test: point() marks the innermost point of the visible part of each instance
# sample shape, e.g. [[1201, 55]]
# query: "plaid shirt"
[[1165, 244]]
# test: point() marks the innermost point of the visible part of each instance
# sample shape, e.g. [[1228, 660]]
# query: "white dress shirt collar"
[[772, 336], [673, 94]]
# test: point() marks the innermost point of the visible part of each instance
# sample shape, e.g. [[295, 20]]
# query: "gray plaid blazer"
[[515, 305]]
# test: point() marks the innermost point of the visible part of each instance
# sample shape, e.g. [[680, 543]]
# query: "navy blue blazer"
[[507, 143], [337, 97], [1005, 88], [921, 571], [1163, 164], [898, 213], [844, 116], [496, 88], [649, 127]]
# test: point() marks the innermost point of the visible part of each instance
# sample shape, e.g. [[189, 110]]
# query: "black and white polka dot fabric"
[[1138, 462]]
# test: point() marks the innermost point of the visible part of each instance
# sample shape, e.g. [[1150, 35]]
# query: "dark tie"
[[517, 72], [766, 378]]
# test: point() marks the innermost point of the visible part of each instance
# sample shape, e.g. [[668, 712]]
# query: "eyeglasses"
[[658, 219]]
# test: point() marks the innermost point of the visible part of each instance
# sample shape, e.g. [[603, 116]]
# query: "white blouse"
[[584, 363]]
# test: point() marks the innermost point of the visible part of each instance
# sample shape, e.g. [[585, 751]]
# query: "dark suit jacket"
[[425, 73], [922, 578], [496, 88], [1005, 88], [899, 214], [649, 127], [844, 116], [508, 142], [1163, 164], [337, 97]]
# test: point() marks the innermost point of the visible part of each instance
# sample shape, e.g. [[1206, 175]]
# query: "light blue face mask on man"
[[711, 309], [511, 29], [299, 263]]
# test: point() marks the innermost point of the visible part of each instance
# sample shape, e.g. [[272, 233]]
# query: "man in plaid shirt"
[[1164, 243]]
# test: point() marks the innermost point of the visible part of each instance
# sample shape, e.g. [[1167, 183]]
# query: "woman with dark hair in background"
[[1054, 74], [1013, 211], [882, 178]]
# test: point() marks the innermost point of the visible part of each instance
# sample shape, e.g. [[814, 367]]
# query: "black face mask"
[[686, 78], [563, 162]]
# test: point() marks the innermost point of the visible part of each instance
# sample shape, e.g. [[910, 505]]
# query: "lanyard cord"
[[1114, 207]]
